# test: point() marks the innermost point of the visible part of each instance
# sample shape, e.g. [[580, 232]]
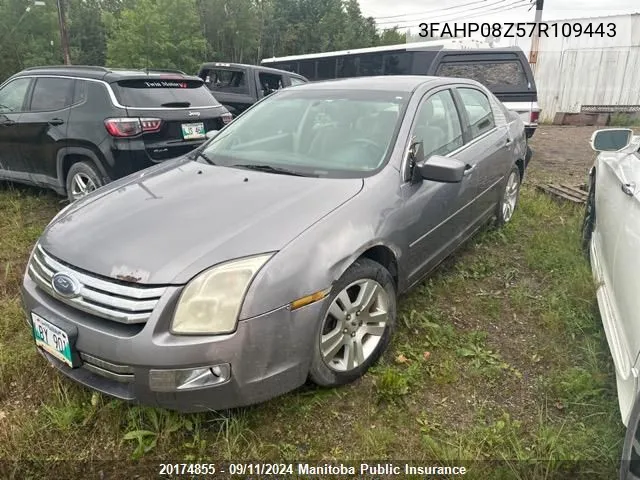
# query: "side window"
[[223, 80], [370, 64], [51, 94], [398, 63], [479, 111], [296, 81], [326, 68], [80, 92], [348, 66], [13, 94], [307, 68], [438, 125], [270, 82]]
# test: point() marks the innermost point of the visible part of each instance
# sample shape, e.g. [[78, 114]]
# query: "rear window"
[[493, 75], [157, 93], [226, 80]]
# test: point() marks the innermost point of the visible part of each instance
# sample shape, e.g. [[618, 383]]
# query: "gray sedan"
[[276, 252]]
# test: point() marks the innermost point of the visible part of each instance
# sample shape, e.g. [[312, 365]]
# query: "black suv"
[[76, 128]]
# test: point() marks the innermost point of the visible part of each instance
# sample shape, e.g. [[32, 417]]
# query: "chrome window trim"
[[112, 95]]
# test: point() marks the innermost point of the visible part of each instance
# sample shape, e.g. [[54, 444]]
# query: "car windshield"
[[321, 133]]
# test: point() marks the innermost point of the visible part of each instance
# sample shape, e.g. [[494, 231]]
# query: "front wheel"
[[589, 220], [356, 325], [509, 198]]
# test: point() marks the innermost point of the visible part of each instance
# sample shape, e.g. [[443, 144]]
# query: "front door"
[[438, 211], [13, 164], [44, 126]]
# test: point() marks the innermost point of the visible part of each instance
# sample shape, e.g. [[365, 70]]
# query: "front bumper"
[[268, 355]]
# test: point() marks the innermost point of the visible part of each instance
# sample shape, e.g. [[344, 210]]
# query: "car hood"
[[166, 225]]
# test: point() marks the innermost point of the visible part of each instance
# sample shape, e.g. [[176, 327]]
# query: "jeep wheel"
[[82, 179]]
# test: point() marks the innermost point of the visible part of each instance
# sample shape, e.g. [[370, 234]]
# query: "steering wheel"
[[370, 144]]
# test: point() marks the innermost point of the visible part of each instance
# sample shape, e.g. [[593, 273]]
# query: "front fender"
[[319, 257]]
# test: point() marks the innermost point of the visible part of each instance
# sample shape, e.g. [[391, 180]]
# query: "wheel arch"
[[69, 155]]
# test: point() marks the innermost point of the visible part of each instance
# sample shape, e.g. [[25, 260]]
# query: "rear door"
[[44, 125], [487, 133], [175, 113], [506, 74]]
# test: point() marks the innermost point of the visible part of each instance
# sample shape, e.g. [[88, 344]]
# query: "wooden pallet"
[[572, 193]]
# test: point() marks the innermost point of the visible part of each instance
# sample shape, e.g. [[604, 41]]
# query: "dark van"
[[505, 71], [238, 86]]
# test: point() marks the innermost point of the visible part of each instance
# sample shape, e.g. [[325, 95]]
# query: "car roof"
[[390, 83], [105, 73], [248, 66]]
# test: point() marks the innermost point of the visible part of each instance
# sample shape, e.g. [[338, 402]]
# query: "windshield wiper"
[[203, 156], [269, 169], [176, 104]]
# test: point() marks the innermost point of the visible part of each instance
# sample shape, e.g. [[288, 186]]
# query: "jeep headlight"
[[211, 302]]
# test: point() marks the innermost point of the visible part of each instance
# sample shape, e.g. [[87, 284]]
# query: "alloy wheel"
[[510, 196], [81, 185], [354, 325]]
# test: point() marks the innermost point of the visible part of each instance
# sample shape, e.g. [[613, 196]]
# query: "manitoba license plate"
[[193, 131], [51, 339]]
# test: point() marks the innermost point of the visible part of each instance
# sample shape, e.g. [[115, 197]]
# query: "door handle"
[[56, 121], [468, 169], [629, 188]]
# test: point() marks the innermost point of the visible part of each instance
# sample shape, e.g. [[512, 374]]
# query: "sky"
[[403, 10], [408, 14]]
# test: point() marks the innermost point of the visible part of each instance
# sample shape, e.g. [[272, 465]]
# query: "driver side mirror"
[[442, 169], [611, 139], [211, 134], [435, 168]]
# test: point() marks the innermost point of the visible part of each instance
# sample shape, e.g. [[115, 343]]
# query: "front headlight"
[[210, 303]]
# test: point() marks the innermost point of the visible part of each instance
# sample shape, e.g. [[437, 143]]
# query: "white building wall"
[[584, 70]]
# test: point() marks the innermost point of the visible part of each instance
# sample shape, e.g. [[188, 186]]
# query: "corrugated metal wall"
[[590, 71]]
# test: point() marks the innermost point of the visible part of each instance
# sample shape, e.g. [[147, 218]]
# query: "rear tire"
[[356, 325], [82, 179], [510, 196]]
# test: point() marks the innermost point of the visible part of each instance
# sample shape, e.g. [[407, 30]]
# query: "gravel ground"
[[561, 154]]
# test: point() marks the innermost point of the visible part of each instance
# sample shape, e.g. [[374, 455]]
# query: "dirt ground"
[[561, 154]]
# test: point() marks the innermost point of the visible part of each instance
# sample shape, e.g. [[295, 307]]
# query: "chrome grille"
[[102, 298]]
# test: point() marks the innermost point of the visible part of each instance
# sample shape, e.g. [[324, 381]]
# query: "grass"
[[499, 359]]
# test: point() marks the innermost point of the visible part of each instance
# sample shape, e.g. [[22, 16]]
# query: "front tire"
[[510, 196], [589, 220], [356, 324], [82, 179]]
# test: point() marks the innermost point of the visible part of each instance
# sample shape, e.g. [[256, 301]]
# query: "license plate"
[[51, 339], [193, 131]]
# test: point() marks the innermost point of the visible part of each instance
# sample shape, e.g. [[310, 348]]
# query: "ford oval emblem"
[[65, 285]]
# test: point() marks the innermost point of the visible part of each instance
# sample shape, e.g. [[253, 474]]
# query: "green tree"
[[157, 33], [87, 36], [28, 36]]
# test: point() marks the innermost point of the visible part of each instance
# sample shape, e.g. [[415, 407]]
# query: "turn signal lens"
[[309, 299]]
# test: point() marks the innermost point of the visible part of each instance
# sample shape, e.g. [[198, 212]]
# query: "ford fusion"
[[276, 251]]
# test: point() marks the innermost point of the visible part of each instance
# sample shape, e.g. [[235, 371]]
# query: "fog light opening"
[[189, 378]]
